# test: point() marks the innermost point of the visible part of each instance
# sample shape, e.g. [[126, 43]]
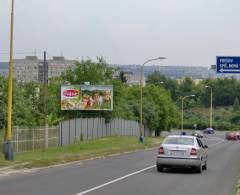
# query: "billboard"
[[86, 97]]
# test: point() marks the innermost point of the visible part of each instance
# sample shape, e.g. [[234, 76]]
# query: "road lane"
[[70, 179], [219, 179], [212, 141], [77, 178]]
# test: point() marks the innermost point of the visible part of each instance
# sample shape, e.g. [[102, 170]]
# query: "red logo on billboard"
[[70, 93]]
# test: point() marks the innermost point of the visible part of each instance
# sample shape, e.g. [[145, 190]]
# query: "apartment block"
[[33, 69]]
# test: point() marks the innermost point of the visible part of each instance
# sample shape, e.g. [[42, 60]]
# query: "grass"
[[221, 110], [80, 151], [238, 188]]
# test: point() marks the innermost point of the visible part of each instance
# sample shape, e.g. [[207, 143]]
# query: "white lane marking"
[[213, 138], [131, 174], [115, 180], [220, 141]]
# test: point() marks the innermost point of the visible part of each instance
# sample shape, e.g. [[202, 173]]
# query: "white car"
[[182, 151]]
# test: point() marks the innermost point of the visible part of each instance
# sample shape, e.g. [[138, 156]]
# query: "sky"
[[186, 32]]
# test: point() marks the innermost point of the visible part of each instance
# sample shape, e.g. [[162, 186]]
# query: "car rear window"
[[179, 141]]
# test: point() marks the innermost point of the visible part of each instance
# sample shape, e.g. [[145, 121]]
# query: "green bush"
[[224, 125]]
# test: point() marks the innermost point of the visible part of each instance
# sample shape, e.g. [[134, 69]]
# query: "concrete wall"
[[91, 128]]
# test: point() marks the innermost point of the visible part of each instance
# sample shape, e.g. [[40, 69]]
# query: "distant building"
[[4, 69], [195, 81], [134, 78], [59, 65], [32, 69], [197, 73]]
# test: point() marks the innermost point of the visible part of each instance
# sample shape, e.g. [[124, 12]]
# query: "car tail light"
[[193, 152], [161, 150]]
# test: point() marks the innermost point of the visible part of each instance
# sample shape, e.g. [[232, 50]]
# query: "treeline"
[[35, 104], [226, 95], [225, 91]]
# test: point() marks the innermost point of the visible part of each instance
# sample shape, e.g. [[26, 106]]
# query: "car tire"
[[160, 168], [199, 168]]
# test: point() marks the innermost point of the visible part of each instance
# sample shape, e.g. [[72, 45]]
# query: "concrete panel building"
[[32, 69]]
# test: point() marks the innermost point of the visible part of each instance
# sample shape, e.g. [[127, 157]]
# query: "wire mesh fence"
[[25, 139]]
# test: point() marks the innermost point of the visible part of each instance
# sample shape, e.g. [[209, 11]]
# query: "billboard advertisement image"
[[88, 97], [70, 97]]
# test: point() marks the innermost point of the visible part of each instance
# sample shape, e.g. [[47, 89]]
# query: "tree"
[[24, 110], [97, 73], [225, 91], [122, 77], [160, 80], [160, 113], [186, 87], [236, 105]]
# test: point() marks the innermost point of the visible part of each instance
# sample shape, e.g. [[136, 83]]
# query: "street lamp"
[[182, 107], [211, 110], [141, 95]]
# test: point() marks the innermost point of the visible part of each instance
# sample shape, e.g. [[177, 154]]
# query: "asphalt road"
[[131, 174]]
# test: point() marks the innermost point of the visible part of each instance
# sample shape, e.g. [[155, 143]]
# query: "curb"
[[10, 170]]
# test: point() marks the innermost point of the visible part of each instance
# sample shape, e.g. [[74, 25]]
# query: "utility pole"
[[45, 83], [8, 148], [211, 109], [45, 94]]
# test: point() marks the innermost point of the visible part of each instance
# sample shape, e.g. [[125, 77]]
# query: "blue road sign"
[[228, 64]]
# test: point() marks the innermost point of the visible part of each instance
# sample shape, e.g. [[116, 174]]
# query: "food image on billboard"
[[86, 97], [96, 97], [70, 97]]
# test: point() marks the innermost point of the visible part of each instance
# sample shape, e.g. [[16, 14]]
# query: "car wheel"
[[199, 168], [160, 168], [205, 166]]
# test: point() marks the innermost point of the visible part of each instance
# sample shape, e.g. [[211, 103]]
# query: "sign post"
[[228, 64]]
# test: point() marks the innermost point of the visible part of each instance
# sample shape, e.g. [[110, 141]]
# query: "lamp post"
[[183, 98], [211, 110], [141, 95], [8, 148], [160, 82]]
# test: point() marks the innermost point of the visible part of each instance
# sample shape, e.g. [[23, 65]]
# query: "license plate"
[[177, 152]]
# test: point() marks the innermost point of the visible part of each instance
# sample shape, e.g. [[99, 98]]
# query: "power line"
[[16, 53]]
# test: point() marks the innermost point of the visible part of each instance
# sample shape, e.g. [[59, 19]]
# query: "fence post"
[[16, 139], [33, 141], [61, 142], [46, 136]]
